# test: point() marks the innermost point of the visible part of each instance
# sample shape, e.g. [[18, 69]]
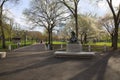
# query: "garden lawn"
[[59, 42], [14, 45], [103, 43]]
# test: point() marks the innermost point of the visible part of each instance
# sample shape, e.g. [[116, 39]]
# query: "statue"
[[73, 38]]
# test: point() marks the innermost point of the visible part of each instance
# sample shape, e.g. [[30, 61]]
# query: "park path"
[[28, 50], [42, 65], [32, 48]]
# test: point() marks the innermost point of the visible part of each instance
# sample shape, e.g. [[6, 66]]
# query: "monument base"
[[74, 54], [74, 48]]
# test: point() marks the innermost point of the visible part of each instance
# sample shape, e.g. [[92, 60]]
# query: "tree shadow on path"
[[38, 64], [96, 71]]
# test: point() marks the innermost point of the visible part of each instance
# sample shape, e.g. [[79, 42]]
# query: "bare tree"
[[108, 23], [72, 5], [116, 22], [2, 3], [45, 13], [116, 18]]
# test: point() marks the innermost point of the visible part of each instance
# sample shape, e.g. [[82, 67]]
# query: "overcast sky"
[[85, 6]]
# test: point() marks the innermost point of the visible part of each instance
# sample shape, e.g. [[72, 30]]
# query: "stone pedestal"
[[74, 48]]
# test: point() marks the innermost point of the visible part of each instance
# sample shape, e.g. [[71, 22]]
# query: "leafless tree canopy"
[[43, 12]]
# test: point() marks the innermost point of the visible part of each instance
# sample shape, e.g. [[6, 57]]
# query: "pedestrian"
[[41, 41]]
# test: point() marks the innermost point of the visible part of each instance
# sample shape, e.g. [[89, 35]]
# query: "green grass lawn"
[[95, 44], [100, 44], [14, 45], [103, 43], [59, 42]]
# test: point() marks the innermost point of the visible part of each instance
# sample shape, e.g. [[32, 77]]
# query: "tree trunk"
[[49, 37], [76, 25], [115, 38], [114, 44], [112, 37], [3, 35], [82, 38], [85, 38], [76, 20], [51, 40]]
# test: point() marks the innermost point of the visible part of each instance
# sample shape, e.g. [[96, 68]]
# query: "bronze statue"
[[73, 38]]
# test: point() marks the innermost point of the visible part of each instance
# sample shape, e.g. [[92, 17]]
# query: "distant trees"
[[2, 3], [10, 28], [88, 28], [45, 13], [34, 35]]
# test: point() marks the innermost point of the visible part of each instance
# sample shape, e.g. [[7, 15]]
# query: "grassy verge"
[[98, 47], [15, 45], [92, 44], [102, 44], [58, 42]]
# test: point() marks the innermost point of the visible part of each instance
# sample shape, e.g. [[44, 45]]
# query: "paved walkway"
[[114, 67], [38, 65], [32, 48]]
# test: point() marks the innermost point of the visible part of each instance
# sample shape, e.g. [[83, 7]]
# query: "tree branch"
[[112, 9], [70, 8]]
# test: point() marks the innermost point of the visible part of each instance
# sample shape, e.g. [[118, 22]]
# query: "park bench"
[[2, 55]]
